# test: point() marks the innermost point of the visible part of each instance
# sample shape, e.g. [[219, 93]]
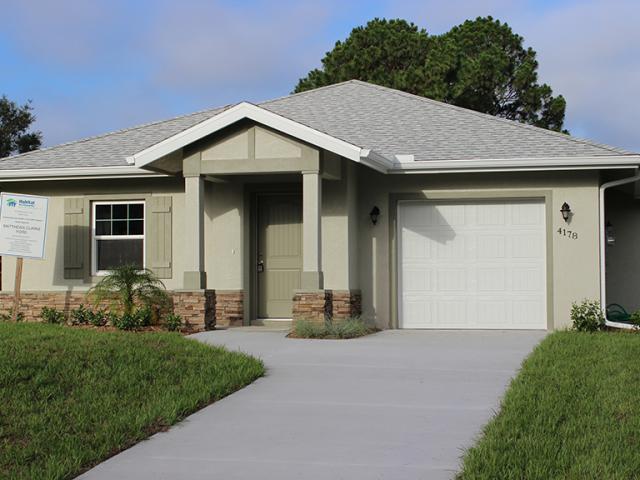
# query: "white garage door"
[[479, 264]]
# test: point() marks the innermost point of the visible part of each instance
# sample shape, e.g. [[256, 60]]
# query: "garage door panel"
[[491, 247], [491, 215], [416, 279], [491, 279], [474, 265]]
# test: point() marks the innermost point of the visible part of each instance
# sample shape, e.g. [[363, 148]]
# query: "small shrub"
[[126, 321], [8, 317], [587, 316], [144, 316], [634, 318], [80, 315], [98, 318], [52, 315], [173, 322]]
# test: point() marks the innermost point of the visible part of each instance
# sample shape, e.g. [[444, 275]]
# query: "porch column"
[[311, 235], [194, 275]]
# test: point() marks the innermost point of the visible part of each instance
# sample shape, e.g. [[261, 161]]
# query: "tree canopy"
[[15, 122], [480, 64]]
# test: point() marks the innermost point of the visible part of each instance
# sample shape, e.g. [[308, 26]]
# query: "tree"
[[385, 52], [481, 64], [128, 284], [15, 122]]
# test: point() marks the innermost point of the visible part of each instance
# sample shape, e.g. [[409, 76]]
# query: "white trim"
[[81, 172], [95, 238], [239, 112], [506, 164]]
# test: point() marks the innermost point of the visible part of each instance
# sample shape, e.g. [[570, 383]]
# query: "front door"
[[279, 253]]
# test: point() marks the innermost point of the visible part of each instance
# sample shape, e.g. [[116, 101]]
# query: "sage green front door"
[[279, 253]]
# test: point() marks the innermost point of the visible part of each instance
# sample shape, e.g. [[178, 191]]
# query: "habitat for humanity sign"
[[23, 225]]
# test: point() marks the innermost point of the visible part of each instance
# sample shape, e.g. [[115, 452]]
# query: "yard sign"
[[23, 229]]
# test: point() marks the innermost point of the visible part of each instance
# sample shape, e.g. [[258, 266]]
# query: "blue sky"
[[96, 66]]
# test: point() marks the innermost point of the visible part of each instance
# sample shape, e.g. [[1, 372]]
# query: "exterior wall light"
[[565, 211], [374, 214]]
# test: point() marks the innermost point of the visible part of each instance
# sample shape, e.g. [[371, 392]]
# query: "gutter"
[[74, 173], [603, 277]]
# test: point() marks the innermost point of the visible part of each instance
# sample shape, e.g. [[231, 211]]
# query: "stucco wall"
[[623, 258], [339, 235], [574, 274], [48, 274], [223, 240]]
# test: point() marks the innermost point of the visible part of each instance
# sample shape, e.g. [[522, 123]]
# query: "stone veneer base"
[[199, 309], [321, 305]]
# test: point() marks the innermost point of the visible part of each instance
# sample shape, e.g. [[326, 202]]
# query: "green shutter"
[[76, 238], [158, 236]]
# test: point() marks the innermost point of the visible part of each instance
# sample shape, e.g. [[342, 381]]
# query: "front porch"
[[258, 265]]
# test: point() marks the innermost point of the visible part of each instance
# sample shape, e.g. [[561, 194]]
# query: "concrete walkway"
[[394, 405]]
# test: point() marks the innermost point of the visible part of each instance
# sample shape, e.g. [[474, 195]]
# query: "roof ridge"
[[488, 116], [325, 87], [114, 132]]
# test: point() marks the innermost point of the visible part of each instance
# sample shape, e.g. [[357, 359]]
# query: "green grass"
[[343, 329], [70, 398], [573, 412]]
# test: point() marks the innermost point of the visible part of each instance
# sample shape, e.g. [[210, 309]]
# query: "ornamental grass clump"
[[332, 329]]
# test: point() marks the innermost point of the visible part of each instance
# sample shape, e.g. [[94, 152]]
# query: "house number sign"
[[570, 234]]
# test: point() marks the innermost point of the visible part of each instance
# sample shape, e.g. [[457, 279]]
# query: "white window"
[[117, 235]]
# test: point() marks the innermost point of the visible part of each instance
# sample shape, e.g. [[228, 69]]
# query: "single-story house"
[[352, 199]]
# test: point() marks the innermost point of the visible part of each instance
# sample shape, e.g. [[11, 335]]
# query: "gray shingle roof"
[[108, 150], [392, 122], [388, 121]]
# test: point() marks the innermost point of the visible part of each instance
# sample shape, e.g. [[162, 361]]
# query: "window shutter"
[[76, 238], [158, 236]]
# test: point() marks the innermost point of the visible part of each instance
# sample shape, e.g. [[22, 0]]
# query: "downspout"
[[603, 244]]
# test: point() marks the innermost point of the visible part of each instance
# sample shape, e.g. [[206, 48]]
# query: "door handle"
[[260, 266]]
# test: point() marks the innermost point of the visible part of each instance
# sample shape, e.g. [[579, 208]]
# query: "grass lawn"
[[573, 412], [70, 398]]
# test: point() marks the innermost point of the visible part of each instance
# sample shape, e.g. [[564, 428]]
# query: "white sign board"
[[23, 225]]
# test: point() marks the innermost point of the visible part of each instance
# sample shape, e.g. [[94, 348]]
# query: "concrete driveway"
[[394, 405]]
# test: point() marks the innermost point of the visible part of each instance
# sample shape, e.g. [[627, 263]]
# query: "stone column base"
[[326, 305], [229, 308], [196, 307]]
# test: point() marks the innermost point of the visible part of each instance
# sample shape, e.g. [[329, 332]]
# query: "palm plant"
[[128, 284]]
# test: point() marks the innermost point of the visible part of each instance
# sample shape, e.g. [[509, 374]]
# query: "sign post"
[[23, 229]]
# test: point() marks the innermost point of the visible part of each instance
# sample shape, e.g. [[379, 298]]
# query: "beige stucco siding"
[[48, 274], [572, 273], [223, 239], [339, 235]]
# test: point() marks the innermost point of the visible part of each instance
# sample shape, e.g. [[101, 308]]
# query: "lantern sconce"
[[374, 214], [566, 212], [610, 234]]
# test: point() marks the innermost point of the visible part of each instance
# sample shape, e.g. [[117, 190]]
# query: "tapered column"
[[194, 275], [311, 234]]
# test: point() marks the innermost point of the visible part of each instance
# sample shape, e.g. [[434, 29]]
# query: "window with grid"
[[118, 235]]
